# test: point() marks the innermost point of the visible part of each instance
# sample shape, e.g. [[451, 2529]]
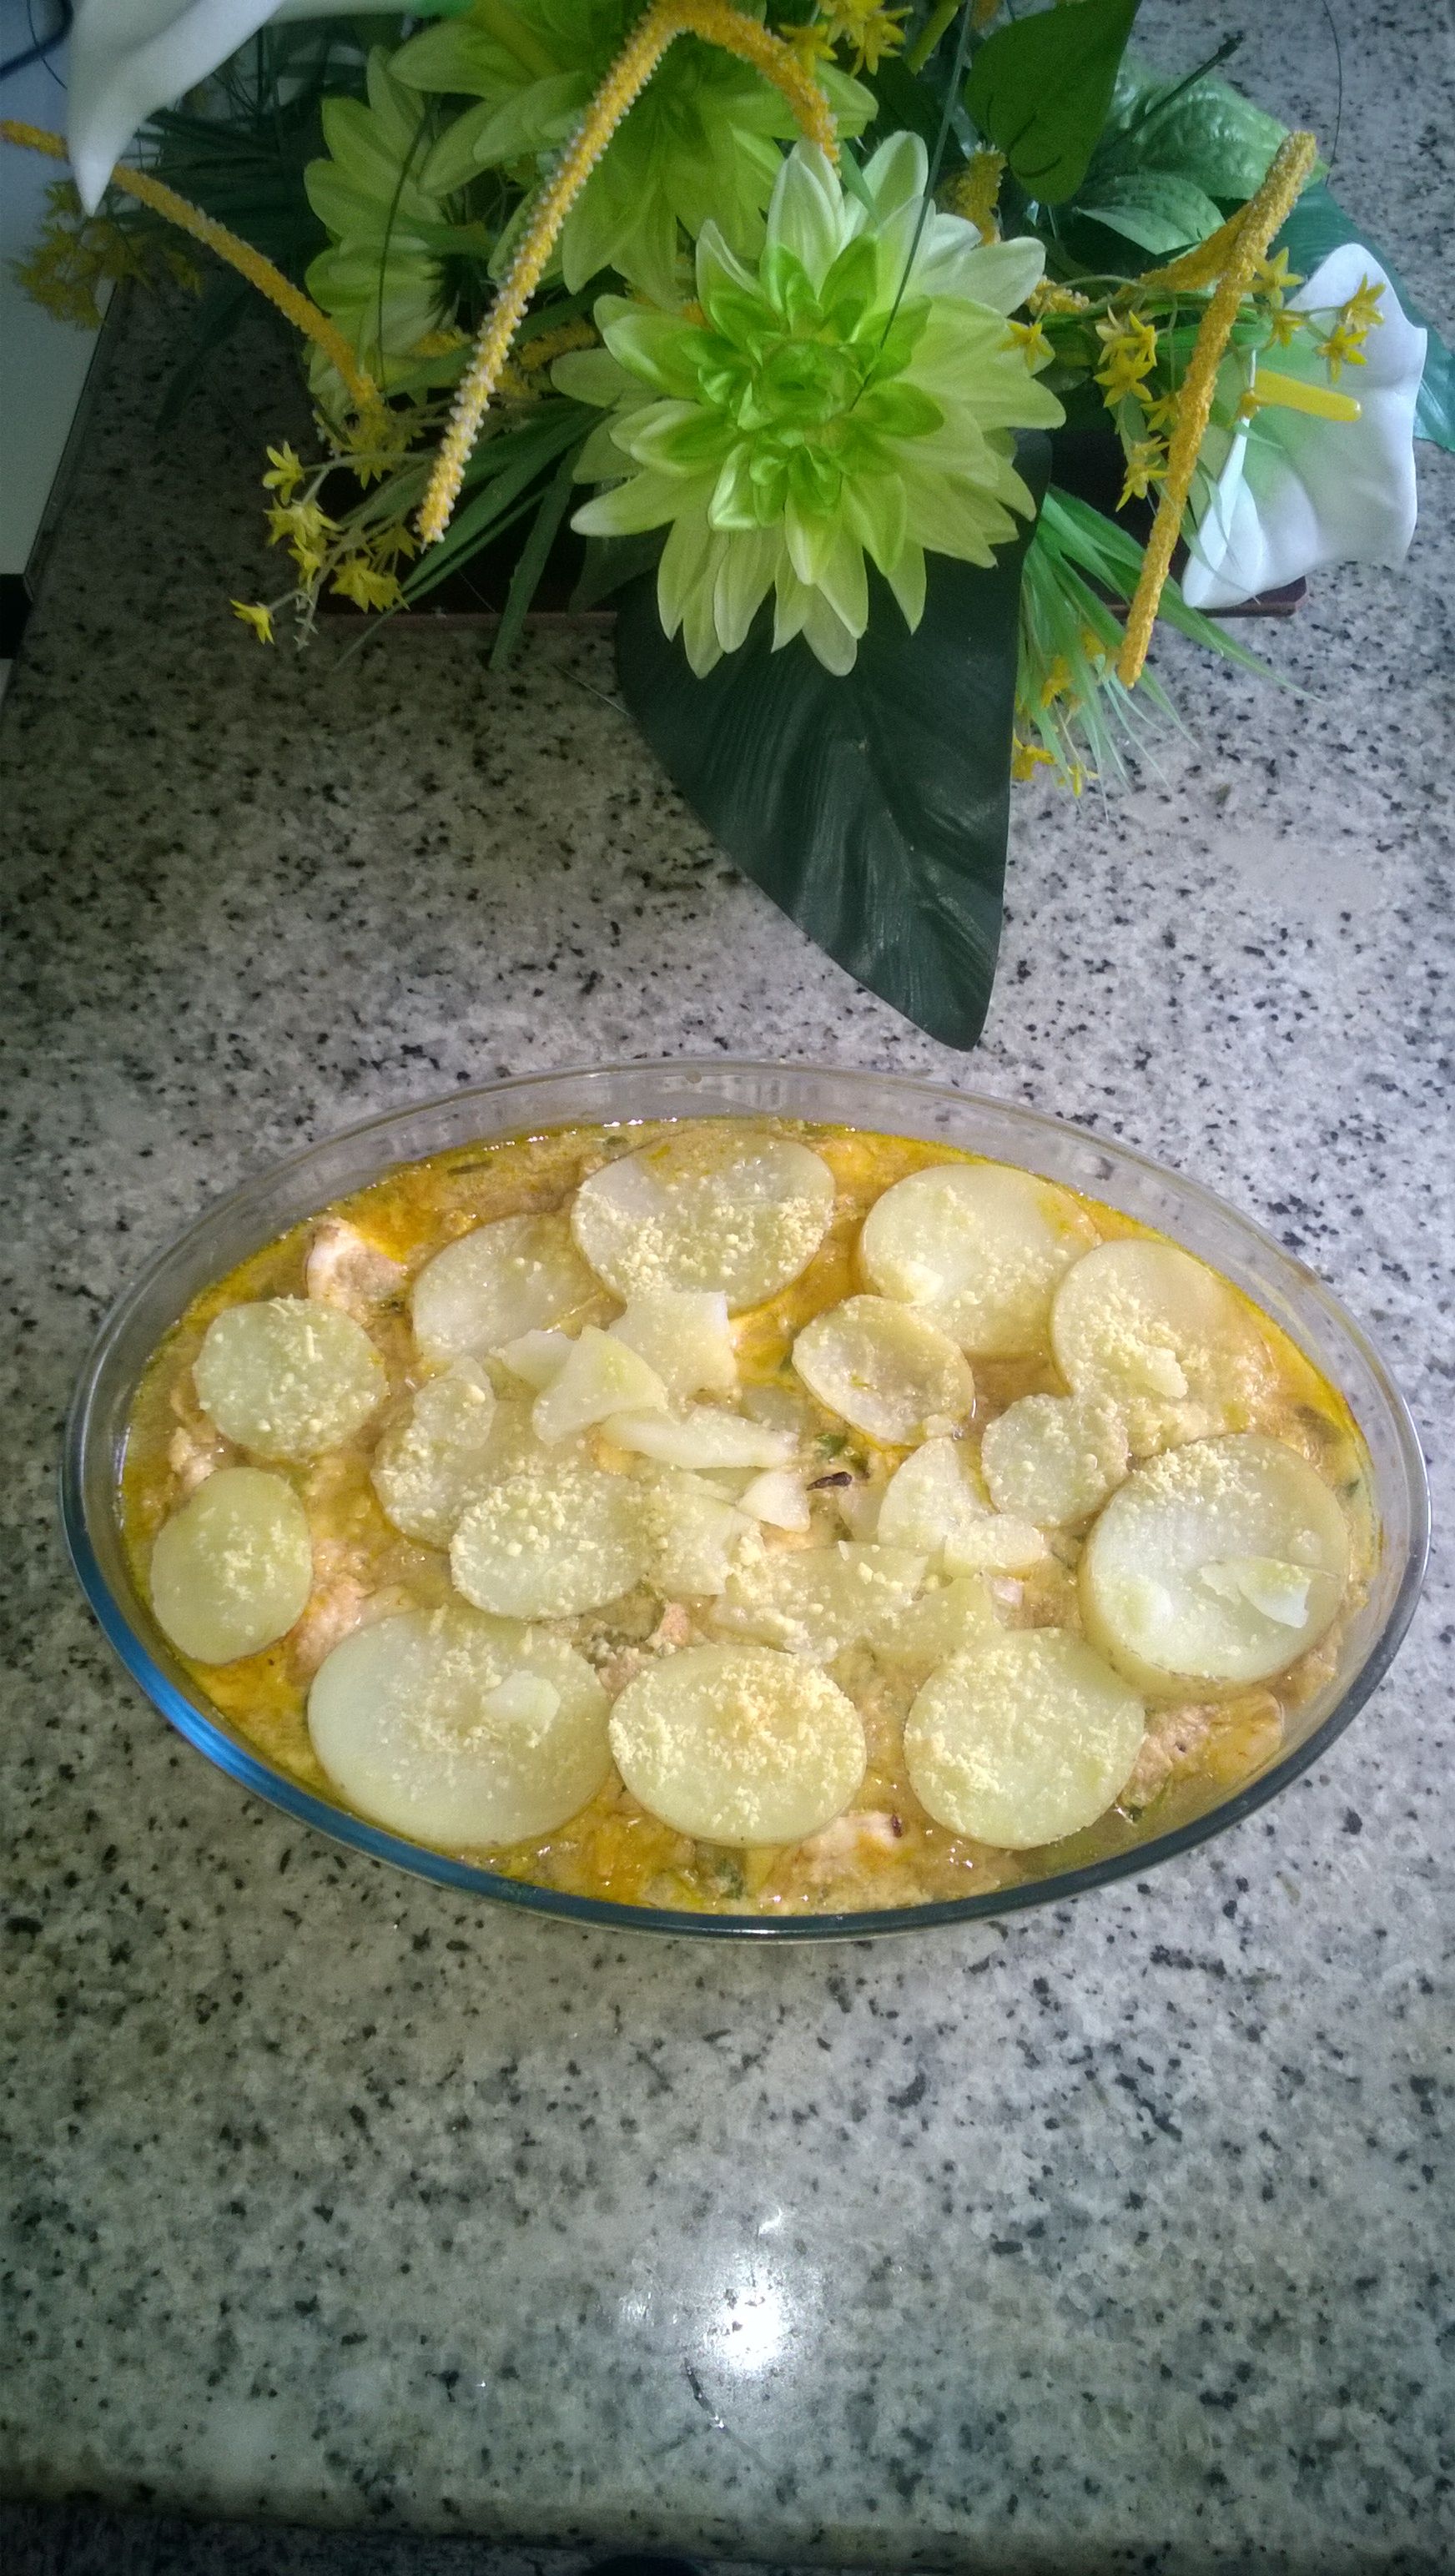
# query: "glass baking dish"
[[625, 1094]]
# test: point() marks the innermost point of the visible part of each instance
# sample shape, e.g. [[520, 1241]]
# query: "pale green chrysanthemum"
[[801, 419]]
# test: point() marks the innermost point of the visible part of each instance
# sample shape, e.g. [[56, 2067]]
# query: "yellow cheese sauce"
[[885, 1851]]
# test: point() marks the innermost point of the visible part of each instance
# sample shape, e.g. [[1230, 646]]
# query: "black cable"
[[43, 45]]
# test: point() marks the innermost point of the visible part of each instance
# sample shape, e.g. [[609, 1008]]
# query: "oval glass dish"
[[628, 1094]]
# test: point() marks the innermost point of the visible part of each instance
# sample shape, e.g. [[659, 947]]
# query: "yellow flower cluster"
[[1129, 353], [868, 28]]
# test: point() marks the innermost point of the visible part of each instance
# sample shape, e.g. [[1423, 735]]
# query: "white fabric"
[[1292, 492]]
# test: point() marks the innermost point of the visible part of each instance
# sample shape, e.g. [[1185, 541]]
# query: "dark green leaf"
[[531, 563], [873, 808], [1317, 225], [1040, 88], [1158, 210], [1201, 128]]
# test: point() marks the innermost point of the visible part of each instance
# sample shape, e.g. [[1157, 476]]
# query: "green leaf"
[[531, 562], [1040, 88], [1317, 225], [611, 561], [873, 808], [1158, 210], [505, 472], [1201, 128]]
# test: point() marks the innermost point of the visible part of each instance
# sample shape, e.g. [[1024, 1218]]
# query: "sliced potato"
[[460, 1730], [778, 1498], [232, 1570], [535, 1358], [938, 1625], [933, 1497], [1023, 1739], [1214, 1565], [1160, 1335], [886, 1370], [601, 1376], [699, 1536], [1000, 1544], [684, 1336], [551, 1540], [743, 1213], [815, 1601], [519, 1274], [286, 1377], [430, 1465], [700, 1436], [736, 1744], [978, 1248], [1054, 1458]]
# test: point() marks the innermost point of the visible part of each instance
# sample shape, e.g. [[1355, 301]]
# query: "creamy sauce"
[[885, 1851]]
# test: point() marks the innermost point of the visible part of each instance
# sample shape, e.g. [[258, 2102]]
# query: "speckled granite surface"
[[1118, 2239]]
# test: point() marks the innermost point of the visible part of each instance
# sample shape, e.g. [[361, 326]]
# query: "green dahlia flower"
[[704, 137], [798, 419]]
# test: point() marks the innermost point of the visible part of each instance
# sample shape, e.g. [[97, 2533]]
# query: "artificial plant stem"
[[1260, 220], [941, 17], [249, 263]]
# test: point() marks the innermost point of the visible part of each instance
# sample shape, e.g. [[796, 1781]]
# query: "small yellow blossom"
[[254, 614], [1057, 680], [359, 580], [1161, 412], [1027, 757], [1284, 326], [812, 44], [1031, 340], [1273, 279], [1343, 347], [1129, 353], [870, 28], [286, 472], [1362, 310], [1146, 461]]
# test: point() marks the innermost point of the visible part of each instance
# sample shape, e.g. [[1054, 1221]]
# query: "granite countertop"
[[1114, 2237]]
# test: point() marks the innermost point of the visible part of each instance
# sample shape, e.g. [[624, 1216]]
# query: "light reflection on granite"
[[1117, 2238]]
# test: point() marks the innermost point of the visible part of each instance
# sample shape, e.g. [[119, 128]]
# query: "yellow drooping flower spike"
[[718, 24], [249, 263], [1256, 226]]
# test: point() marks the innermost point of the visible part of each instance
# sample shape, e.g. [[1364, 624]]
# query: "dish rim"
[[416, 1860]]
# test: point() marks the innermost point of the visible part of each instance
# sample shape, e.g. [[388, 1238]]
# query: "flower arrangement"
[[900, 366]]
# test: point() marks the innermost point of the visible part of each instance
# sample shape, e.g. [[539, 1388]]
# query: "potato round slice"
[[1054, 1458], [699, 1536], [286, 1377], [934, 1497], [1215, 1565], [737, 1744], [1022, 1740], [815, 1601], [886, 1370], [459, 1730], [432, 1462], [938, 1625], [1159, 1334], [978, 1248], [683, 1334], [552, 1540], [232, 1570], [743, 1213], [520, 1274]]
